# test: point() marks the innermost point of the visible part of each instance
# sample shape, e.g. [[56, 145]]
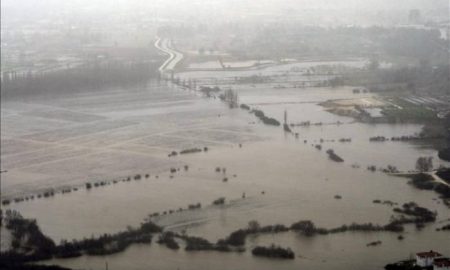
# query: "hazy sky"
[[307, 11], [45, 5]]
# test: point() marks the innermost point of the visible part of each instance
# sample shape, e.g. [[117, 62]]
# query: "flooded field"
[[271, 176], [224, 135], [286, 73], [140, 127], [235, 64]]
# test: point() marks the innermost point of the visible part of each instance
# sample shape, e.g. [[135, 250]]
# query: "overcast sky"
[[221, 9]]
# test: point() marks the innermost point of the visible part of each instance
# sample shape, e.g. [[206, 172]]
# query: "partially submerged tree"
[[424, 164]]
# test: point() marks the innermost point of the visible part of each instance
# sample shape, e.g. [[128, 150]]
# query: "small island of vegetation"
[[273, 252], [333, 156]]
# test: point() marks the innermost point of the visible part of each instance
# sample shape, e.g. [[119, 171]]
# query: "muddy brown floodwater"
[[119, 133]]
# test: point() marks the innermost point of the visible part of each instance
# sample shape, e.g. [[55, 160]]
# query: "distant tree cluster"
[[292, 40], [418, 79], [28, 236], [90, 76]]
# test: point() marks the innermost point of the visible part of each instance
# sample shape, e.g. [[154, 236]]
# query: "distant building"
[[414, 16], [441, 264], [426, 259]]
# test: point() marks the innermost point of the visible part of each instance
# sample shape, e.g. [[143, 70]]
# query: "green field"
[[408, 112]]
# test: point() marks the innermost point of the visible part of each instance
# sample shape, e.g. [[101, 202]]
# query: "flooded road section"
[[116, 134]]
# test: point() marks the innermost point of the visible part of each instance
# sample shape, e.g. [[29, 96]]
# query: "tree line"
[[88, 76]]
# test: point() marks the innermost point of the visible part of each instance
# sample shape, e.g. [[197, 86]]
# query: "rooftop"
[[429, 254]]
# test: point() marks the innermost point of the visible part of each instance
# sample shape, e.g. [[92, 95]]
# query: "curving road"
[[164, 45]]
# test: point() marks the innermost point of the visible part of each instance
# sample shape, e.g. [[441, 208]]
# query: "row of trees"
[[418, 79], [44, 248], [411, 213], [292, 40], [265, 119], [231, 98], [89, 76]]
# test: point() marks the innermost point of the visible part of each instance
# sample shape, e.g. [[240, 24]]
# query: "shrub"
[[197, 243], [236, 238], [190, 151], [273, 252], [219, 201], [444, 154], [167, 239], [307, 227], [333, 156], [6, 202], [266, 120]]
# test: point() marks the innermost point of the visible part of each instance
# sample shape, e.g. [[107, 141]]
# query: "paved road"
[[164, 45], [438, 179]]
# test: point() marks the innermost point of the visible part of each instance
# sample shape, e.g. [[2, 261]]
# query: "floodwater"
[[234, 64], [288, 71], [119, 133]]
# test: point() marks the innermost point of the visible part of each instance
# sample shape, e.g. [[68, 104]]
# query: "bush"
[[424, 164], [333, 156], [273, 252], [444, 174], [307, 227], [167, 239], [28, 229], [236, 238], [190, 151], [266, 120], [197, 243], [6, 202], [150, 227], [425, 181], [219, 201], [444, 154], [195, 206]]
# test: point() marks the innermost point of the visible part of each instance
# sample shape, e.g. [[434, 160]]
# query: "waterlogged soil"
[[127, 132], [284, 178]]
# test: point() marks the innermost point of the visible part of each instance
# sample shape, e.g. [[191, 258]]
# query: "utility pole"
[[285, 116]]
